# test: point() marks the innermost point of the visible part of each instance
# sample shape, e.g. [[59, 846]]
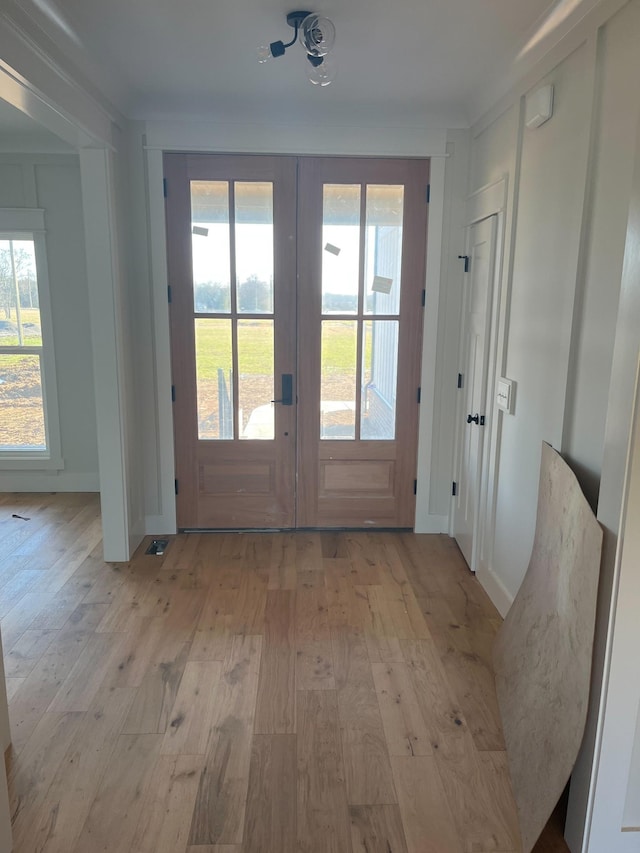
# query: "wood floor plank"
[[81, 685], [26, 653], [113, 817], [31, 776], [322, 813], [270, 821], [218, 816], [282, 565], [366, 758], [380, 633], [248, 616], [165, 817], [42, 685], [314, 665], [155, 698], [426, 817], [404, 726], [276, 704], [377, 829], [68, 800], [192, 717], [13, 685], [212, 638]]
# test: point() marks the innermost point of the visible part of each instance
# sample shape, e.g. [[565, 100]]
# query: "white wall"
[[52, 182], [570, 185]]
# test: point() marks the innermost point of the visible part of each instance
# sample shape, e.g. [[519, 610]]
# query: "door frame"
[[490, 200], [211, 138]]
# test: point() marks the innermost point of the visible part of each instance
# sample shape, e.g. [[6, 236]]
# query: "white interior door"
[[472, 411]]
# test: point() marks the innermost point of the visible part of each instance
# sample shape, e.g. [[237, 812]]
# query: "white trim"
[[162, 342], [495, 589], [98, 189], [16, 220], [154, 525], [300, 139], [433, 524], [426, 422], [31, 461], [49, 481], [487, 201]]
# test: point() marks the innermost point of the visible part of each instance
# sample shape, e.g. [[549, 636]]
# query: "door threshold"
[[294, 529]]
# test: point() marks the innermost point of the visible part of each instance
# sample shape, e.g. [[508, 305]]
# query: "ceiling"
[[406, 60]]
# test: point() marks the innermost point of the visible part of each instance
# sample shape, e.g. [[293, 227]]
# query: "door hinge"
[[466, 260], [169, 294], [460, 380], [481, 420], [173, 393], [419, 394], [415, 487], [428, 193], [454, 488], [424, 298], [164, 187], [176, 486]]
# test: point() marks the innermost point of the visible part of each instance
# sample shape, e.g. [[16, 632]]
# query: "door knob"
[[473, 420]]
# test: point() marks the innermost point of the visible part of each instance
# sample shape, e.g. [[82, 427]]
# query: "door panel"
[[361, 249], [476, 330], [231, 259]]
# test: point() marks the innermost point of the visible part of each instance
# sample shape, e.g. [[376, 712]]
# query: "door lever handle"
[[287, 390], [473, 420]]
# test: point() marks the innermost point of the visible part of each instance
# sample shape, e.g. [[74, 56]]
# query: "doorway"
[[472, 410], [296, 287]]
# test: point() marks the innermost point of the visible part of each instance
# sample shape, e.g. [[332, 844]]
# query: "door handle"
[[287, 390], [473, 420]]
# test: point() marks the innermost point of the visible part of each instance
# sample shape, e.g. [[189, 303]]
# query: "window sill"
[[14, 462]]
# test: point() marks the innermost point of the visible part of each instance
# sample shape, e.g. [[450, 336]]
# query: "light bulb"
[[264, 54], [317, 35], [322, 74]]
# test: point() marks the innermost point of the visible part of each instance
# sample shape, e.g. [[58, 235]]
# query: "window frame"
[[29, 224]]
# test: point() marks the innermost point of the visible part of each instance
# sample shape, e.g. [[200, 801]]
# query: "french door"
[[296, 318]]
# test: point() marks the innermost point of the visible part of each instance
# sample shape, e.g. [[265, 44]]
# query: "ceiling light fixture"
[[317, 36]]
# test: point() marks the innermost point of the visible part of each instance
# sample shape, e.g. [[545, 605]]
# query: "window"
[[29, 426]]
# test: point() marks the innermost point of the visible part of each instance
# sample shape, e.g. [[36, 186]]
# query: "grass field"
[[255, 347]]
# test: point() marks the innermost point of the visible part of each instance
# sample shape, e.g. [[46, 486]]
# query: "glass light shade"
[[264, 53], [317, 35], [323, 74]]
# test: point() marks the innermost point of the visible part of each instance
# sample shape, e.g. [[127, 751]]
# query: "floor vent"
[[157, 547]]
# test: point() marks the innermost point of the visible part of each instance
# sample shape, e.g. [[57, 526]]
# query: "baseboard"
[[432, 524], [495, 589], [48, 481], [155, 525]]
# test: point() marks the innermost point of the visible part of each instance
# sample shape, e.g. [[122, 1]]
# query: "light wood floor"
[[255, 693]]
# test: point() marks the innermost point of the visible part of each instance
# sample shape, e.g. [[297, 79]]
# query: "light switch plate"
[[505, 394]]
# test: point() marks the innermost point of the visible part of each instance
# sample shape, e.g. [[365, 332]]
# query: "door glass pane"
[[210, 246], [214, 378], [254, 247], [19, 306], [379, 379], [340, 248], [383, 252], [255, 379], [21, 403], [338, 384]]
